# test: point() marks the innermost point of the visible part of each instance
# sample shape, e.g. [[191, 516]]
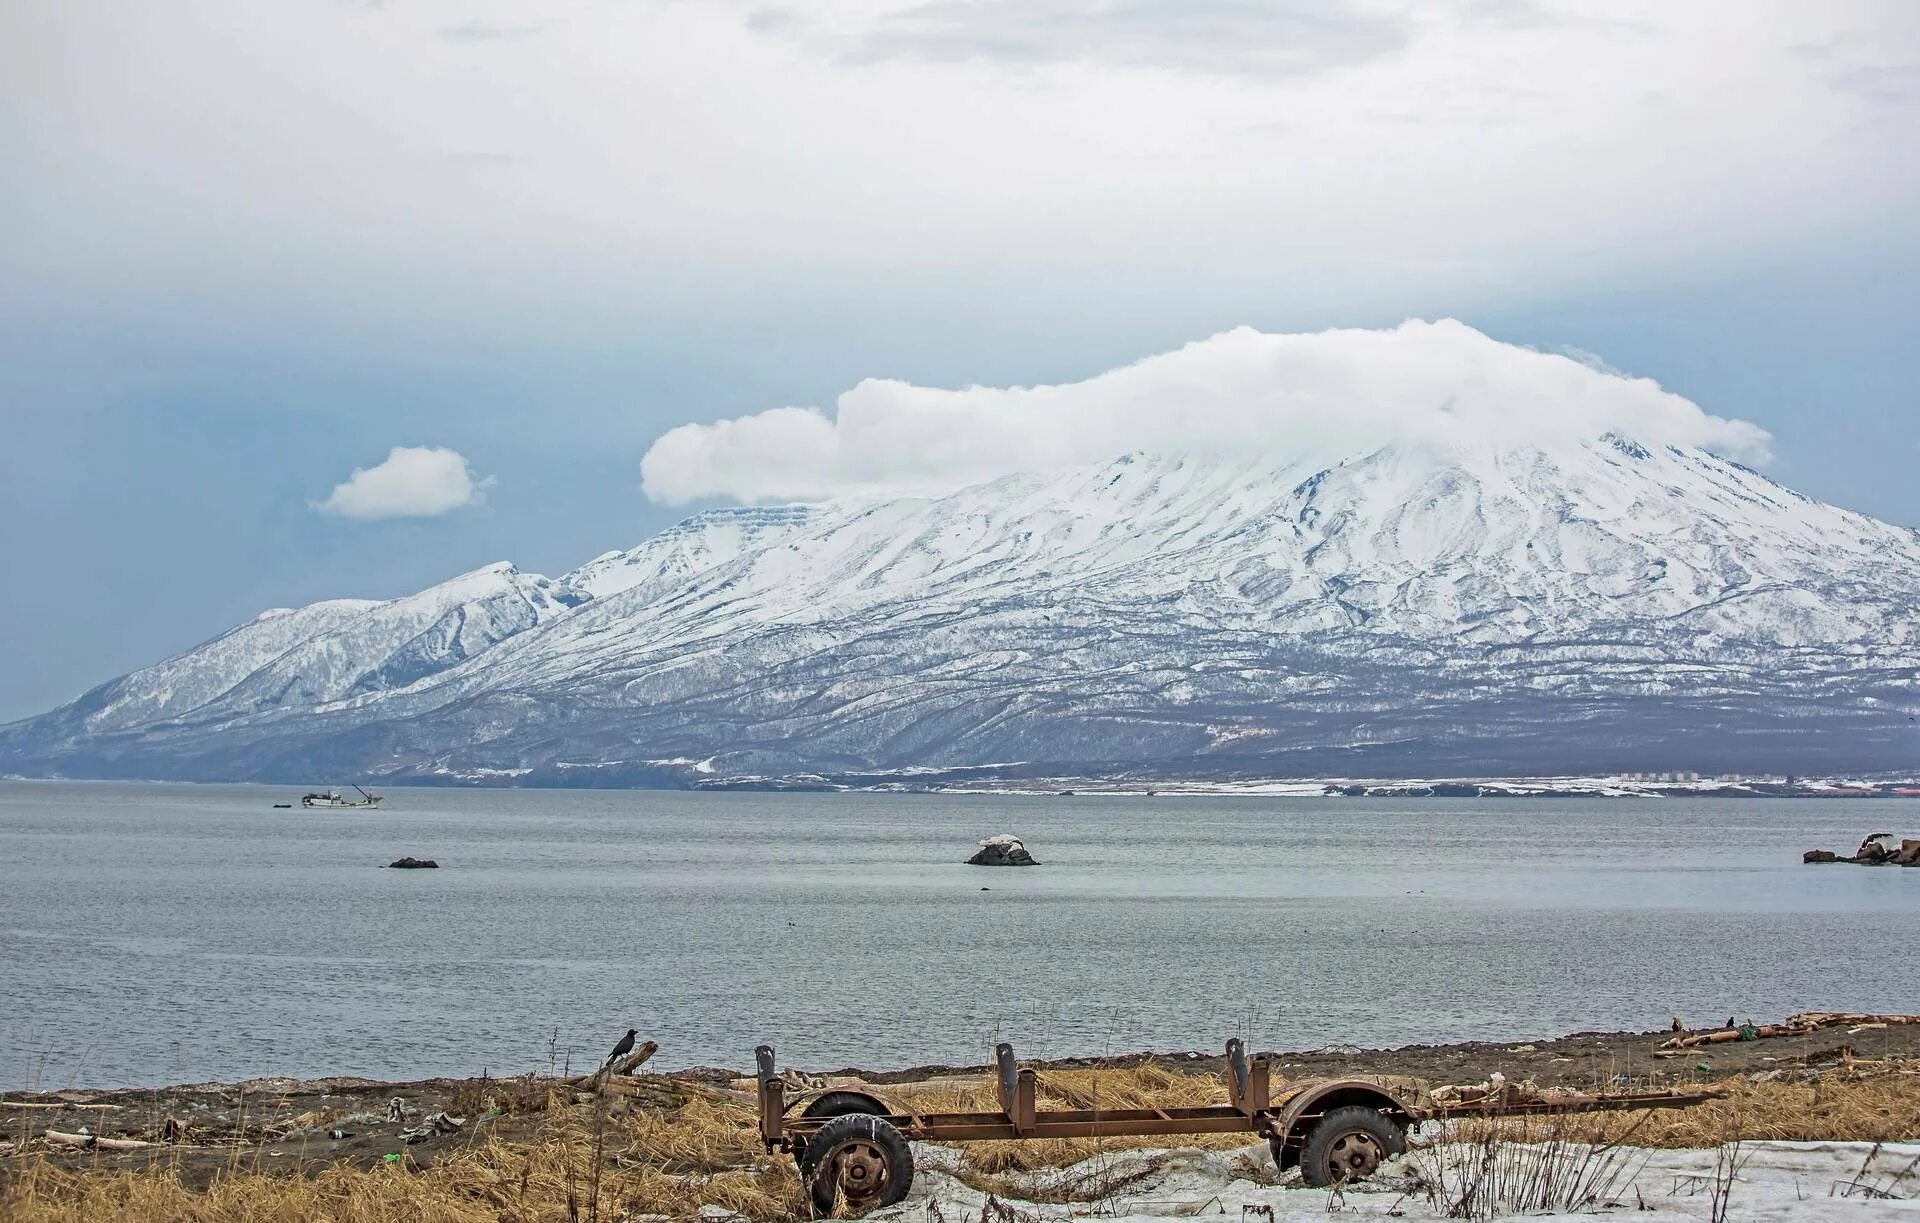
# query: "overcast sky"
[[319, 298]]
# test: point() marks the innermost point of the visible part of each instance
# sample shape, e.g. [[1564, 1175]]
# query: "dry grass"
[[673, 1155], [1876, 1108], [656, 1161]]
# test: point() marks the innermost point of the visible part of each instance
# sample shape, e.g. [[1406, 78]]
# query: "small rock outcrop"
[[1879, 849], [414, 864], [1002, 850]]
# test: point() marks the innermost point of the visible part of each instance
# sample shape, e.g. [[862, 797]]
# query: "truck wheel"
[[1348, 1144], [838, 1104], [859, 1159]]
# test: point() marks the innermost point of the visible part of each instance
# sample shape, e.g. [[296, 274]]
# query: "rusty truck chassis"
[[875, 1167]]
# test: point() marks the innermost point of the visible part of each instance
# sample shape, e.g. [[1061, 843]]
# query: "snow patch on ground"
[[1807, 1182]]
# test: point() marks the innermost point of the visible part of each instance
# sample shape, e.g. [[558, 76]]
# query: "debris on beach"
[[414, 864], [1878, 849], [1003, 850], [87, 1140], [436, 1123], [616, 1067], [1793, 1025]]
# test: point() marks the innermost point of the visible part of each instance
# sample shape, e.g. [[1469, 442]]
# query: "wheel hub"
[[860, 1169], [1354, 1155]]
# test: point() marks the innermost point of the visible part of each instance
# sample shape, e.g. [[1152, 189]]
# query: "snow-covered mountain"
[[1416, 608]]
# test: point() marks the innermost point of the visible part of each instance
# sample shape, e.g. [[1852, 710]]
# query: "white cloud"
[[1242, 390], [413, 482]]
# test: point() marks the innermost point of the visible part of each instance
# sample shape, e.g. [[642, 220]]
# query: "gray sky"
[[251, 249]]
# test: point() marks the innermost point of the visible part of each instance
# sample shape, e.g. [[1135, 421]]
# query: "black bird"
[[624, 1047]]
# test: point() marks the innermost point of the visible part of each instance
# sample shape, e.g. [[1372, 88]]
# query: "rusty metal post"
[[1259, 1087], [1236, 1074], [1025, 1092], [772, 1092]]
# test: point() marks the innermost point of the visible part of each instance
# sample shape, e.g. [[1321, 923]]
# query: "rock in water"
[[414, 864], [1003, 850], [1878, 847], [1817, 855]]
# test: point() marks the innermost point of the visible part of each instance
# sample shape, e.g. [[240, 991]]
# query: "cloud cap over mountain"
[[1237, 392]]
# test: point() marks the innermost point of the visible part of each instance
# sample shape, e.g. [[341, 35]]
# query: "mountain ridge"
[[1466, 605]]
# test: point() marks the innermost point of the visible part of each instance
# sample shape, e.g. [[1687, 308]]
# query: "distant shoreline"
[[968, 781]]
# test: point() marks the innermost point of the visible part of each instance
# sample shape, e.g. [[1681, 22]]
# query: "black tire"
[[857, 1158], [1349, 1144], [845, 1103], [838, 1104]]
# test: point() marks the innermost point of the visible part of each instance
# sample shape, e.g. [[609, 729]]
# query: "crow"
[[624, 1047]]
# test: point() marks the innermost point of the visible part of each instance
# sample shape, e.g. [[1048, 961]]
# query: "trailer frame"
[[870, 1165]]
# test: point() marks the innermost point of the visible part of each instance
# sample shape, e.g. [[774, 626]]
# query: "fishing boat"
[[333, 798]]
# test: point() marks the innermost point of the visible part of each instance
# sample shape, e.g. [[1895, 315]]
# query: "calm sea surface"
[[154, 934]]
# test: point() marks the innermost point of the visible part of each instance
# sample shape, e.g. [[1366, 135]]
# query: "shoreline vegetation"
[[683, 1144]]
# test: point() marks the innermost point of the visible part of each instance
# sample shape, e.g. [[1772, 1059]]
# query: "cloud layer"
[[1240, 391], [1111, 160], [1212, 37], [413, 482]]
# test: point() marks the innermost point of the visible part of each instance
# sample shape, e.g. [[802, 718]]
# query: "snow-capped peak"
[[1538, 604]]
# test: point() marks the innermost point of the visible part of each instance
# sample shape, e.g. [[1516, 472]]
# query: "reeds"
[[1878, 1108], [668, 1162]]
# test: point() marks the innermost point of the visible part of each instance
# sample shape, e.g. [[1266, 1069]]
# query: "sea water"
[[171, 933]]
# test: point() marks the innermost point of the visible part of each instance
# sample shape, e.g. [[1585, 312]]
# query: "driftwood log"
[[58, 1106], [1796, 1025], [626, 1065], [88, 1142]]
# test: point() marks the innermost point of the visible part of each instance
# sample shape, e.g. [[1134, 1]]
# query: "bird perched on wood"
[[624, 1047], [1677, 1025]]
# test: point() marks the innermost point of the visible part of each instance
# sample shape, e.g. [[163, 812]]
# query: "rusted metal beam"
[[961, 1127], [1253, 1108]]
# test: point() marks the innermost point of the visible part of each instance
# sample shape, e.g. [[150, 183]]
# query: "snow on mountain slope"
[[191, 679], [1414, 606], [288, 659], [686, 548], [393, 644], [1421, 542]]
